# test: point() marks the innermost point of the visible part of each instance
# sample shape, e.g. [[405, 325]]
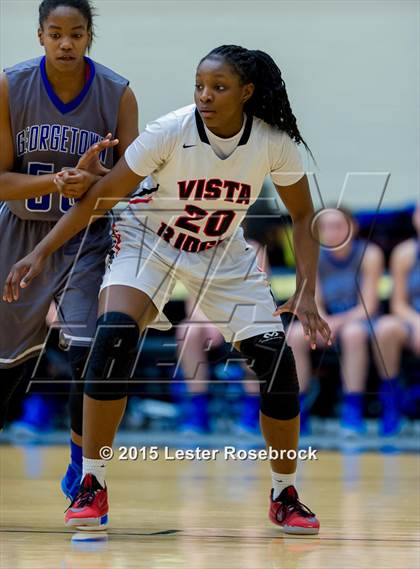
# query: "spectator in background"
[[348, 275], [401, 328], [266, 222], [40, 409], [196, 335]]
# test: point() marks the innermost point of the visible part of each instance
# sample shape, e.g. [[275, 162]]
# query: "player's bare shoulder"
[[6, 142], [4, 92], [3, 81]]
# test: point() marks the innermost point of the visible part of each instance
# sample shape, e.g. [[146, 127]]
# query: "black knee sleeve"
[[273, 362], [112, 357], [9, 380], [78, 356]]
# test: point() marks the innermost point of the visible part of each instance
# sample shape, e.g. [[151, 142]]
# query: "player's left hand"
[[22, 273], [304, 307], [74, 183], [90, 162]]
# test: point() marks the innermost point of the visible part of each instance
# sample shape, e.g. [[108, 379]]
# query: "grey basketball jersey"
[[49, 134], [339, 278]]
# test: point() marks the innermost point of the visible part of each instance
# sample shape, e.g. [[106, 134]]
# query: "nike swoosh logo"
[[188, 145]]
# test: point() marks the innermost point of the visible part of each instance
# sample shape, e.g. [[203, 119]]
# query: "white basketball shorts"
[[225, 281]]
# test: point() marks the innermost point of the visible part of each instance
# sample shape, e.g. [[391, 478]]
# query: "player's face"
[[65, 37], [220, 97], [334, 228]]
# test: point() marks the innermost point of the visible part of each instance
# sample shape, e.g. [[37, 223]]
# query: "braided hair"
[[269, 101], [83, 6]]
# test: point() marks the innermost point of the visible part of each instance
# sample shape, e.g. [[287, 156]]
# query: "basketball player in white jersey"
[[201, 166]]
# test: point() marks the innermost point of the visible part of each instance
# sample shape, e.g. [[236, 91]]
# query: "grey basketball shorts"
[[71, 278]]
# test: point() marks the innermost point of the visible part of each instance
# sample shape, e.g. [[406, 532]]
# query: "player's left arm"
[[128, 121], [298, 201]]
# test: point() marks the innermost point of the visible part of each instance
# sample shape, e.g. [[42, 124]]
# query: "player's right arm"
[[103, 196], [13, 185]]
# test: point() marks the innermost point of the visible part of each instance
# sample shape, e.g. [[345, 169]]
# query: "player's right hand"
[[74, 183], [21, 275], [303, 305]]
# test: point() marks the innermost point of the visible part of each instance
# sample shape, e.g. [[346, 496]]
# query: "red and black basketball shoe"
[[291, 515], [89, 509]]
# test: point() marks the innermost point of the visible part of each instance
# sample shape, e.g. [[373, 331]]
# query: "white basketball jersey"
[[192, 198]]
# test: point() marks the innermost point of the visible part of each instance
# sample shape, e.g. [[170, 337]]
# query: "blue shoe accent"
[[410, 401], [229, 373], [352, 414], [70, 483], [104, 519], [195, 413], [37, 416], [305, 421], [250, 414], [389, 395], [38, 411], [390, 424], [305, 424], [76, 454]]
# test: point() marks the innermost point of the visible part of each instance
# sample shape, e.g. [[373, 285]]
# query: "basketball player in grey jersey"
[[52, 109]]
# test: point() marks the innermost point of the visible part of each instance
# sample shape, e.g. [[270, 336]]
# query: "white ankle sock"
[[282, 481], [97, 467]]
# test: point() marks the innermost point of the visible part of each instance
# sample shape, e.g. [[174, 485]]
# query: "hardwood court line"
[[183, 533], [71, 532], [298, 538]]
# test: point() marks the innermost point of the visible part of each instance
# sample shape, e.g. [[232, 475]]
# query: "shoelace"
[[84, 497], [298, 506]]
